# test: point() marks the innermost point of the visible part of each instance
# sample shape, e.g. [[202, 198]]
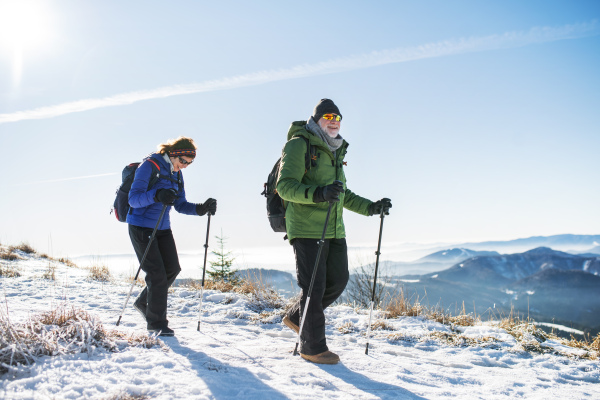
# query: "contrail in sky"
[[389, 56], [67, 179]]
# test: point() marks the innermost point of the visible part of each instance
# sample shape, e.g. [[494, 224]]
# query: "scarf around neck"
[[166, 157], [333, 143]]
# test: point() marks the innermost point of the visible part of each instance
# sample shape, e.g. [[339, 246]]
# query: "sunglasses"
[[181, 160], [330, 117]]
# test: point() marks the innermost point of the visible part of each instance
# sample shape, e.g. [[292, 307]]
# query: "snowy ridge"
[[244, 352]]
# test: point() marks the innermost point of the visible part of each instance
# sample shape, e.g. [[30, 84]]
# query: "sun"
[[25, 26]]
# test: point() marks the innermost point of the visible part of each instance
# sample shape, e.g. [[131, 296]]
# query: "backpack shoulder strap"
[[310, 157], [179, 181], [154, 163], [155, 176]]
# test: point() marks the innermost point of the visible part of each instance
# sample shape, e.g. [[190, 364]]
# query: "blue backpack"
[[121, 204]]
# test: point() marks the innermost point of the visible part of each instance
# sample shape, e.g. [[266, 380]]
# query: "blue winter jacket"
[[144, 209]]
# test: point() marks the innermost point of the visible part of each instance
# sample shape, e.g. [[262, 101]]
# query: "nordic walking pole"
[[375, 278], [203, 272], [312, 279], [142, 262]]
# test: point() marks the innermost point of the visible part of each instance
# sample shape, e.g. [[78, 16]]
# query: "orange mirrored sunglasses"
[[330, 117]]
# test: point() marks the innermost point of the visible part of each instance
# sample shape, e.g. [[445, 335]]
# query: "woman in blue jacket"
[[162, 263]]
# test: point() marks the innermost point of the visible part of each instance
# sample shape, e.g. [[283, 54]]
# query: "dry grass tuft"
[[139, 281], [99, 273], [9, 271], [457, 340], [128, 396], [67, 262], [462, 320], [261, 295], [402, 306], [8, 255], [24, 247], [64, 330], [381, 325], [50, 273], [346, 328]]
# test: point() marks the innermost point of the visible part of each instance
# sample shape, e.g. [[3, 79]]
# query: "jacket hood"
[[298, 128]]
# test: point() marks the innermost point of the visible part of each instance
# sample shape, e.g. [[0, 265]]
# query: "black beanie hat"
[[325, 106]]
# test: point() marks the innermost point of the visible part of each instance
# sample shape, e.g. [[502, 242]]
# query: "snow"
[[586, 265], [240, 353], [561, 327]]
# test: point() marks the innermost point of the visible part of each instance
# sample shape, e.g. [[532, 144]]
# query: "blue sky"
[[479, 119]]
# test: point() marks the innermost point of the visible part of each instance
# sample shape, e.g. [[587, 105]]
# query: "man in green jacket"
[[307, 195]]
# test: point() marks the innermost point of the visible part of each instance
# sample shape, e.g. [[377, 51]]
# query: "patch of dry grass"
[[448, 338], [64, 330], [9, 255], [261, 295], [530, 338], [24, 247], [346, 328], [50, 272], [9, 271], [128, 396], [99, 273], [139, 281], [67, 262], [401, 305]]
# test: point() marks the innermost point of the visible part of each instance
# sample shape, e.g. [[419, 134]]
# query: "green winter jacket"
[[304, 218]]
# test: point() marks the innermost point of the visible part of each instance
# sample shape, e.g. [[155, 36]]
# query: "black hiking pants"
[[161, 268], [330, 282]]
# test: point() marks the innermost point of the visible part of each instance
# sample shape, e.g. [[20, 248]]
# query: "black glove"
[[375, 208], [166, 196], [329, 193], [210, 206]]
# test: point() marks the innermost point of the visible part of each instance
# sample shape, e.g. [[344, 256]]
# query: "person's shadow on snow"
[[365, 384], [242, 383]]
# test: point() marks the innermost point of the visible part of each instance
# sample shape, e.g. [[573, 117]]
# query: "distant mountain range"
[[439, 258], [501, 269], [433, 262], [549, 285], [557, 242]]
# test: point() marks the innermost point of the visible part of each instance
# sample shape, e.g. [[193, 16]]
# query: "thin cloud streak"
[[68, 179], [391, 56]]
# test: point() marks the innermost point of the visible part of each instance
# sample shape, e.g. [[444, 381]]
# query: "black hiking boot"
[[141, 308], [166, 331]]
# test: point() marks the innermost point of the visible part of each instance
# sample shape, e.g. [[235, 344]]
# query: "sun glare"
[[25, 26]]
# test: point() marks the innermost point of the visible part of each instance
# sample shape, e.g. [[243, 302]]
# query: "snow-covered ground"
[[241, 354]]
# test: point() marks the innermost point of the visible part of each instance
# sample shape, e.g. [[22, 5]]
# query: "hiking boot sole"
[[288, 322], [159, 332], [323, 358]]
